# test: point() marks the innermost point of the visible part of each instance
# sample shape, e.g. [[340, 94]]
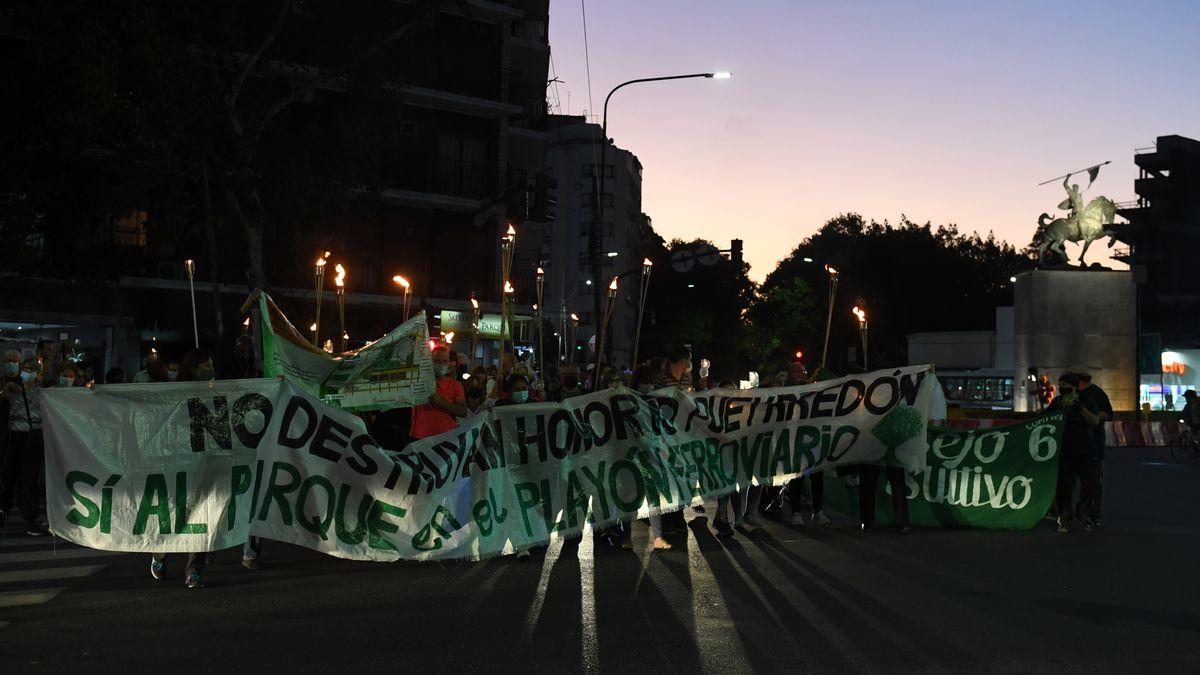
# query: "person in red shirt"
[[446, 404]]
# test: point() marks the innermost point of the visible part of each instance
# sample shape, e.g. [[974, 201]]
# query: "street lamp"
[[598, 200], [833, 284]]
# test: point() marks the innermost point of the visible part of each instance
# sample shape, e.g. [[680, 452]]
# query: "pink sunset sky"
[[950, 112]]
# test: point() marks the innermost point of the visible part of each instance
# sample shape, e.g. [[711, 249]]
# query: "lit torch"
[[861, 315], [645, 289], [574, 331], [474, 325], [603, 328], [320, 283], [833, 284], [190, 266], [340, 282], [541, 283], [403, 283]]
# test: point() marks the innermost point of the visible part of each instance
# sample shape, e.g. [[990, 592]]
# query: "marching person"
[[1100, 401], [24, 458], [196, 366], [1078, 460], [446, 404], [797, 375]]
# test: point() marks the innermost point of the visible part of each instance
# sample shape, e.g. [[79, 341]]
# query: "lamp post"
[[190, 266], [862, 331], [833, 284], [645, 288], [598, 197]]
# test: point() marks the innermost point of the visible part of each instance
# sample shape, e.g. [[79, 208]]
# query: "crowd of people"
[[462, 392]]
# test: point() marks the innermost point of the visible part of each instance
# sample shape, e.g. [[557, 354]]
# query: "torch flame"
[[508, 288], [401, 280], [540, 271], [321, 260], [340, 279], [474, 304], [613, 285], [450, 337], [574, 317], [646, 263], [831, 270], [512, 232], [858, 312], [246, 322], [312, 327]]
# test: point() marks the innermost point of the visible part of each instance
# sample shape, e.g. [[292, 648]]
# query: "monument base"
[[1074, 317]]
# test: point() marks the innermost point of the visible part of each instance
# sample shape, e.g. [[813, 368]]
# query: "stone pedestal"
[[1069, 317]]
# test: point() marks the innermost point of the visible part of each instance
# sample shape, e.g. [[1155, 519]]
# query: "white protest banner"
[[195, 466], [395, 371]]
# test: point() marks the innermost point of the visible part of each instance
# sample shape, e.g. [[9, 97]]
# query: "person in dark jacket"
[[1079, 458]]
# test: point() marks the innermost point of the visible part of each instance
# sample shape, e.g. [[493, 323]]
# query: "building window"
[[589, 170], [590, 199], [127, 230]]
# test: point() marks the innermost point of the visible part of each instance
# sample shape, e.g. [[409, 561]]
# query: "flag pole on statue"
[[190, 266], [833, 284]]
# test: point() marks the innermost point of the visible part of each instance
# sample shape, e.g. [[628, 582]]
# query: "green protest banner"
[[1002, 478], [196, 466], [395, 371]]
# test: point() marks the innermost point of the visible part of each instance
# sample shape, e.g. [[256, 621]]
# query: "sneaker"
[[37, 530], [797, 519], [904, 529], [819, 518], [1063, 526], [661, 544], [251, 563], [523, 555], [158, 568], [723, 529], [1088, 524], [194, 581]]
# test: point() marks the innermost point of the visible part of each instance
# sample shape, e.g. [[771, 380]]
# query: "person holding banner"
[[1079, 459], [446, 404], [22, 463], [196, 366]]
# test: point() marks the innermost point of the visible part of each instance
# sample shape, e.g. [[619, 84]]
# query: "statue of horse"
[[1081, 225]]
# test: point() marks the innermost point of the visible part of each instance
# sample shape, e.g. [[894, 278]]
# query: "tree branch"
[[252, 62], [420, 15]]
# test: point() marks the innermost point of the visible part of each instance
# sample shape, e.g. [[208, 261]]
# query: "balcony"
[[449, 184]]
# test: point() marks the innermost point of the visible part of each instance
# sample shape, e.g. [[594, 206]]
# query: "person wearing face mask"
[[571, 385], [678, 371], [446, 404], [22, 463], [67, 376], [196, 366], [477, 401]]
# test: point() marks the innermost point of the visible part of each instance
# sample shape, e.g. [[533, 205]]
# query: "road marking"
[[51, 555], [44, 573], [20, 598]]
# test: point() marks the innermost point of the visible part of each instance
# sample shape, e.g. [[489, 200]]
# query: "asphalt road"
[[1123, 598]]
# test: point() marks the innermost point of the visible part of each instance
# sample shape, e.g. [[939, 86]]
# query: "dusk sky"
[[950, 112]]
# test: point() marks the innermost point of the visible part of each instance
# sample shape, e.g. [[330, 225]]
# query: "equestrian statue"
[[1081, 224]]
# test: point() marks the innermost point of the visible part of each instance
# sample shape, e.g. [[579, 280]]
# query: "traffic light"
[[735, 253], [545, 199]]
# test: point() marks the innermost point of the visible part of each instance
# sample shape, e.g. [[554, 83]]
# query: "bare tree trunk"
[[214, 269]]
